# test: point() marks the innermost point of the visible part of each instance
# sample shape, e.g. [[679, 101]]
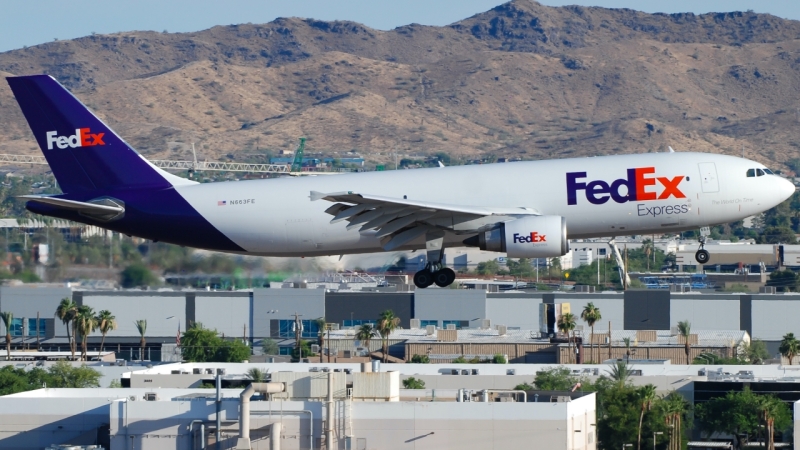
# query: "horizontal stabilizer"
[[103, 209]]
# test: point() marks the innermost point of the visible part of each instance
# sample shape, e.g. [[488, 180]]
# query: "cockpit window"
[[768, 172], [751, 173], [759, 173]]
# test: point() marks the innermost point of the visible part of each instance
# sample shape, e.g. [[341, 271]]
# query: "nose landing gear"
[[702, 256]]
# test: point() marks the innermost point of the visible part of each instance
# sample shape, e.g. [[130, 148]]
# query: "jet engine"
[[528, 237]]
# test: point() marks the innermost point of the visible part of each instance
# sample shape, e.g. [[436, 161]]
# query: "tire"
[[444, 277], [702, 256], [423, 279]]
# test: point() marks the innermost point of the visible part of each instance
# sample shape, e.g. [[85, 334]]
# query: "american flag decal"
[[221, 203]]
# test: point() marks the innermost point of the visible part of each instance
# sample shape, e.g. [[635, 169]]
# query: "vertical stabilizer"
[[83, 152]]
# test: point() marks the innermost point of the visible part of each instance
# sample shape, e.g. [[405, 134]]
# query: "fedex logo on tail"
[[82, 138], [640, 185]]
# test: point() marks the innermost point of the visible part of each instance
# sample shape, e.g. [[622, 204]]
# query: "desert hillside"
[[521, 80]]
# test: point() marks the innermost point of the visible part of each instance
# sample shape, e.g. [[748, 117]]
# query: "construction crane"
[[297, 164]]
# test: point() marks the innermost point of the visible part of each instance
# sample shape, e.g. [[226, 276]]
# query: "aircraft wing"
[[401, 220]]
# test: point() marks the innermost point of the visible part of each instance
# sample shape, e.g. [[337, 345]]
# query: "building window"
[[457, 323], [286, 328], [285, 351], [30, 328], [425, 323], [601, 251], [358, 322]]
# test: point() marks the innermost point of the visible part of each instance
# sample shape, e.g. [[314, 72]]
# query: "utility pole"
[[328, 326]]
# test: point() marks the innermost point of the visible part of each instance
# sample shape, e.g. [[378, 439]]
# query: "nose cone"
[[784, 188]]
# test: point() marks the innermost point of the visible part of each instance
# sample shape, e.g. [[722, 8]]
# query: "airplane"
[[524, 209]]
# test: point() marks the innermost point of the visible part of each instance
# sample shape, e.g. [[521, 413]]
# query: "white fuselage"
[[276, 217]]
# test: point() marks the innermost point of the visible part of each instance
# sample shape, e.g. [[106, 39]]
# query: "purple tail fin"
[[83, 152]]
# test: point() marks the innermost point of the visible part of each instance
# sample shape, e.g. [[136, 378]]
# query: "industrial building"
[[269, 313]]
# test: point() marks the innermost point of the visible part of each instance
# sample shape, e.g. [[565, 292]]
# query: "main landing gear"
[[434, 273], [702, 256]]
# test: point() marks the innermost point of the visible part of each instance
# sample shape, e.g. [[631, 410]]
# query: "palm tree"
[[105, 322], [257, 375], [7, 317], [591, 315], [141, 326], [86, 323], [789, 347], [387, 322], [674, 408], [566, 324], [66, 311], [646, 394], [627, 342], [685, 330], [365, 333], [620, 372]]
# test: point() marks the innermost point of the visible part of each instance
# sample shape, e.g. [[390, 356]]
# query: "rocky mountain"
[[522, 80]]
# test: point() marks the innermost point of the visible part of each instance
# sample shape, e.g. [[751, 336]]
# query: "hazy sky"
[[31, 22]]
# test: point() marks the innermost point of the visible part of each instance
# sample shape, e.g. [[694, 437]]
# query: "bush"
[[420, 359], [136, 275], [413, 383]]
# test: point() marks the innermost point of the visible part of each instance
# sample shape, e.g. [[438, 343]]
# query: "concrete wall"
[[36, 423], [774, 316], [162, 310], [226, 312], [705, 314], [521, 310], [450, 304]]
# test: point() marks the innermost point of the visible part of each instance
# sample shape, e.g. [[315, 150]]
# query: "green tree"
[[199, 344], [591, 315], [66, 312], [554, 379], [488, 268], [257, 375], [499, 359], [365, 333], [269, 347], [141, 327], [523, 387], [232, 351], [756, 352], [783, 280], [675, 410], [305, 351], [520, 268], [741, 414], [86, 324], [387, 323], [413, 383], [778, 235], [647, 394], [420, 359], [620, 372], [685, 331], [789, 347], [63, 375], [7, 317], [566, 324], [105, 322], [137, 275]]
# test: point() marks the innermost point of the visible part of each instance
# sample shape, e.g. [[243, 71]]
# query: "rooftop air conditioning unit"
[[451, 326], [209, 371], [415, 324], [673, 331], [502, 330], [314, 348], [132, 398], [486, 324], [430, 329], [150, 396], [348, 354], [334, 326], [197, 371], [175, 372]]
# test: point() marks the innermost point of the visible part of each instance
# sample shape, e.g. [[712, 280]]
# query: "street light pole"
[[654, 438]]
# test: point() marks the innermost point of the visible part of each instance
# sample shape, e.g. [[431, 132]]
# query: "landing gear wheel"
[[423, 278], [444, 277], [702, 256]]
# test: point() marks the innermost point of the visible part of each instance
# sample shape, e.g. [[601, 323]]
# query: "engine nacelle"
[[529, 237]]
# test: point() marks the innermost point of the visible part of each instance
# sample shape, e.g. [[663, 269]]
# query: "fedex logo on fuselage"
[[640, 185], [82, 138], [532, 238]]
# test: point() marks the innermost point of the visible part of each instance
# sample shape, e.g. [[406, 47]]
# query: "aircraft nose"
[[785, 189]]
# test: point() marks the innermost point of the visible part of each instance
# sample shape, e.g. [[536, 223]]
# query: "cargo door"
[[708, 177]]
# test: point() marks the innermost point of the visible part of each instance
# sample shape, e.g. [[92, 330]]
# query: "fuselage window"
[[759, 173], [751, 173]]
